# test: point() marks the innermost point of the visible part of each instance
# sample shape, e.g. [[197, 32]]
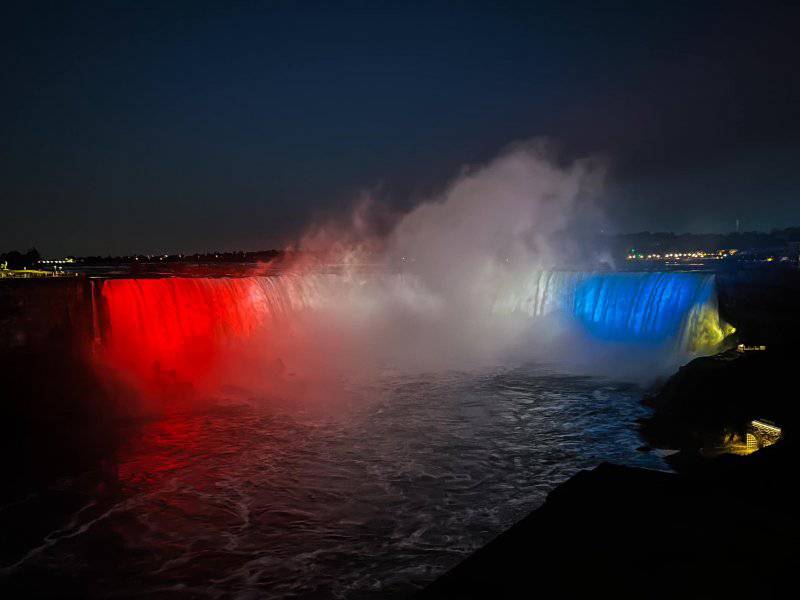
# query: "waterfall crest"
[[642, 308], [181, 326], [184, 327]]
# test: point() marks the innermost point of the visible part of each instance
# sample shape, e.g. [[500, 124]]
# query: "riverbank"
[[717, 527], [727, 528]]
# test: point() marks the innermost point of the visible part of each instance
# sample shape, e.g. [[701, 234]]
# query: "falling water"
[[185, 326], [634, 308], [369, 494]]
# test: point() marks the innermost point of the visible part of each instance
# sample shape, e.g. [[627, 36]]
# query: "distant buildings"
[[742, 348], [682, 256], [788, 254]]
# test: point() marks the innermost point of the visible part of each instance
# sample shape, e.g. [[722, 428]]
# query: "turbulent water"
[[362, 482], [370, 495]]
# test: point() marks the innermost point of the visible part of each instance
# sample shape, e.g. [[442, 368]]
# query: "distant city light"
[[56, 261], [696, 254]]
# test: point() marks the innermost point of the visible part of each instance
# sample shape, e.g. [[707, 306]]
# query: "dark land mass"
[[752, 246], [719, 527], [667, 241], [58, 418], [728, 528]]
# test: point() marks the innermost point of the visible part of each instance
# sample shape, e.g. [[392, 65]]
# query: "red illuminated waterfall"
[[181, 329], [174, 331]]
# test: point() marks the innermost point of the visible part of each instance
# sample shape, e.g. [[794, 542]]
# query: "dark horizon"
[[150, 127], [752, 239]]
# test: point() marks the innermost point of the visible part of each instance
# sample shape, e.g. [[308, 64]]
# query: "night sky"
[[185, 126]]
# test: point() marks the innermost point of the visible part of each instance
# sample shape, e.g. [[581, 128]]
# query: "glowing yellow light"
[[766, 427]]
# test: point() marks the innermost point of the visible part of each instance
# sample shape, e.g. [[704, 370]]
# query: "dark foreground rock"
[[713, 398], [728, 528]]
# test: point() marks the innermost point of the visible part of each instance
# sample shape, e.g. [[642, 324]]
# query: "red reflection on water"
[[162, 449]]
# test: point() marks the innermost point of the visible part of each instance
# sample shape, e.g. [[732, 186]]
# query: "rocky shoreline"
[[725, 528], [713, 528], [720, 525]]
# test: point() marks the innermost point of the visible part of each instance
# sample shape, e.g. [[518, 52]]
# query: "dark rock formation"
[[56, 413], [763, 306], [712, 398], [726, 529], [36, 313]]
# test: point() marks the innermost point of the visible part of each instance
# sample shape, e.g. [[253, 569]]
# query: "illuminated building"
[[762, 433], [56, 261], [742, 348]]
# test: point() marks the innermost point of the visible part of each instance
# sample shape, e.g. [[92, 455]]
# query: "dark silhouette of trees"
[[18, 260]]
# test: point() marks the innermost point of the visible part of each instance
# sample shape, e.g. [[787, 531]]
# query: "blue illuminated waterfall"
[[186, 325], [641, 308]]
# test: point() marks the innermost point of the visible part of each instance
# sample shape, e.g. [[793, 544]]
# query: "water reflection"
[[370, 496]]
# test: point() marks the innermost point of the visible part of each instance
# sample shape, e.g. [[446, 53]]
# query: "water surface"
[[370, 495]]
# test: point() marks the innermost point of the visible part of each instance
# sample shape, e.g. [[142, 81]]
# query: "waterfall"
[[183, 328], [180, 327], [639, 308]]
